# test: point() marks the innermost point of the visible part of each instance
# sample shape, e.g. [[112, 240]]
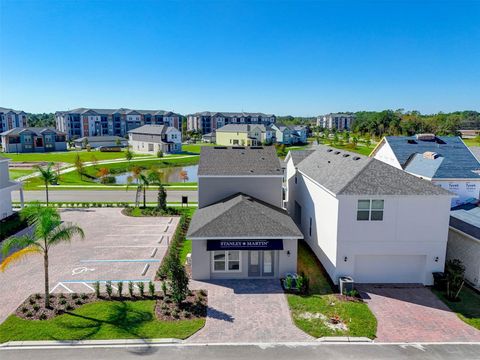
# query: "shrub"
[[203, 292], [62, 296], [130, 288], [96, 286], [69, 307], [164, 288], [24, 309], [74, 296], [84, 296], [78, 302], [455, 273], [63, 301], [178, 280], [120, 288], [108, 288], [31, 301], [141, 289], [38, 296], [29, 314], [151, 288], [159, 153]]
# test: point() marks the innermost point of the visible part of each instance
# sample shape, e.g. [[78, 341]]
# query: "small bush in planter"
[[151, 288], [164, 288], [130, 288], [120, 288], [24, 309], [63, 301], [43, 316], [141, 289], [31, 301], [36, 307], [84, 296], [96, 286], [69, 307], [38, 296], [108, 288], [74, 296], [78, 302], [29, 314]]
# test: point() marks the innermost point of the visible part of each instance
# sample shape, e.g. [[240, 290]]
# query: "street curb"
[[344, 339], [74, 343]]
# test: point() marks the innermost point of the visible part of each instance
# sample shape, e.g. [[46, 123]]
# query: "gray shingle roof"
[[7, 110], [230, 114], [298, 155], [242, 128], [150, 130], [242, 216], [118, 111], [36, 130], [238, 161], [347, 173], [458, 160]]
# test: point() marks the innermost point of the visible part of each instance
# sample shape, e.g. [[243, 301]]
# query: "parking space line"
[[154, 252], [101, 281], [62, 285], [119, 260], [91, 288]]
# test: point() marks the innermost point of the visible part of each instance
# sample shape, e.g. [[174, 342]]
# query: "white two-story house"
[[366, 219], [6, 188], [150, 139], [240, 229]]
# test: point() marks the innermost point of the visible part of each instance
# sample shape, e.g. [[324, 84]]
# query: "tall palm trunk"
[[47, 289], [46, 190], [144, 197]]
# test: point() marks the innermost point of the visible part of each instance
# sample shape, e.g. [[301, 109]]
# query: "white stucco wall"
[[467, 249], [412, 225]]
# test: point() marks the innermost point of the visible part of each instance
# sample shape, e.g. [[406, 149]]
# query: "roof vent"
[[431, 155], [329, 150], [346, 155], [356, 158], [426, 137], [411, 141], [337, 152]]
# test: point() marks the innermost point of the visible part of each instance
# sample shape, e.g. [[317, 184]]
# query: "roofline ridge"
[[369, 161]]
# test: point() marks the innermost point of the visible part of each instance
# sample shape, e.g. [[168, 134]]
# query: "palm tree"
[[47, 174], [154, 178], [141, 180], [48, 231]]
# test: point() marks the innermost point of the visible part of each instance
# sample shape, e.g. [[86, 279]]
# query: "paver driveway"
[[414, 314], [246, 311]]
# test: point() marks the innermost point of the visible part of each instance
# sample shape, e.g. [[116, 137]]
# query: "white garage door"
[[390, 268]]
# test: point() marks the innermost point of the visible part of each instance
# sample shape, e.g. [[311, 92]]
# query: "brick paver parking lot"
[[247, 311], [116, 248], [414, 314]]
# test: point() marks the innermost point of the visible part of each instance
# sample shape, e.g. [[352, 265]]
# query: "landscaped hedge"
[[173, 251], [11, 225]]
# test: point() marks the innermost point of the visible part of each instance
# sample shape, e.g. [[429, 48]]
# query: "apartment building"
[[337, 121], [366, 219], [244, 135], [444, 160], [113, 122], [10, 119], [150, 139], [33, 139], [207, 122], [240, 229]]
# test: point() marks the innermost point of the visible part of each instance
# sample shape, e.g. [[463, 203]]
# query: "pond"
[[168, 175]]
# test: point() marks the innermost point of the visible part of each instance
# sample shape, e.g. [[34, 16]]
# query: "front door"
[[261, 263], [254, 263]]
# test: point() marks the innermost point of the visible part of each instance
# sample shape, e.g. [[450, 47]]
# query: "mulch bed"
[[194, 307], [348, 298], [33, 308]]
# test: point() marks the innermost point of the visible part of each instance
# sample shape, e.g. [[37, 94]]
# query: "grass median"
[[98, 321]]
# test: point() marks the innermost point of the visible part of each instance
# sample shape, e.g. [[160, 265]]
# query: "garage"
[[390, 268]]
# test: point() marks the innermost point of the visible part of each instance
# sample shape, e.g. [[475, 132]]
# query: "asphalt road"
[[267, 352], [102, 195]]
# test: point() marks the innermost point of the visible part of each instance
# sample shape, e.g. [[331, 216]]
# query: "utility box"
[[346, 284]]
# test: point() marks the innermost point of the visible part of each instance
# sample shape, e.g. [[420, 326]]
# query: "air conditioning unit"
[[346, 284]]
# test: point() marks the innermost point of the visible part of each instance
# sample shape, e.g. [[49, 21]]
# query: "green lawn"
[[194, 148], [74, 178], [100, 320], [468, 309], [471, 142], [67, 156], [360, 149], [308, 310], [15, 174]]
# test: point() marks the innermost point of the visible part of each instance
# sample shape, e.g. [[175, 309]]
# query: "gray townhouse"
[[33, 139], [10, 119], [150, 139], [83, 122], [207, 121], [240, 229], [290, 134]]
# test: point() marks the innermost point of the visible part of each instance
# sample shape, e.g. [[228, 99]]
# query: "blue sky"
[[300, 57]]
